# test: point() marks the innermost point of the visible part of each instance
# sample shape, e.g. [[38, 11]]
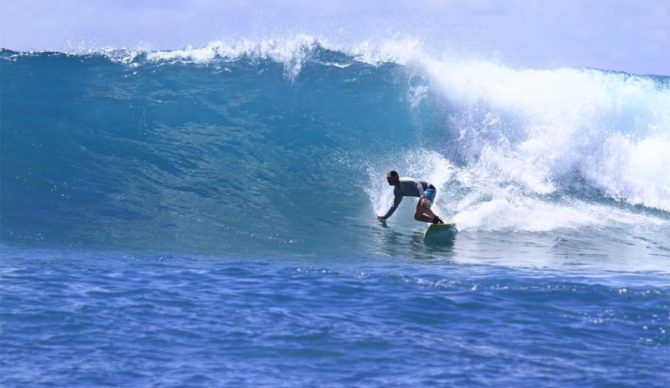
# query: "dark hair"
[[393, 173]]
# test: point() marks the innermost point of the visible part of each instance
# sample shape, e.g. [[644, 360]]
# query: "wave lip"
[[290, 52]]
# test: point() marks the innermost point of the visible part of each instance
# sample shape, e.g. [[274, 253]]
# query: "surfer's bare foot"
[[437, 220]]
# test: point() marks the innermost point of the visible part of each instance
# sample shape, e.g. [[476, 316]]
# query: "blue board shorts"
[[429, 194]]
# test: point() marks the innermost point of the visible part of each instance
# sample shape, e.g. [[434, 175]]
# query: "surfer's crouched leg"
[[423, 213]]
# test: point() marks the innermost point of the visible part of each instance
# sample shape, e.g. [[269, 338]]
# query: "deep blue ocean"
[[206, 217]]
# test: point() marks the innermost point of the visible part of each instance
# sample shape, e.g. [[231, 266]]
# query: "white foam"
[[537, 128], [507, 211]]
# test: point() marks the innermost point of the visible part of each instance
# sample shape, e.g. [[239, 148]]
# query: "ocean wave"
[[177, 140]]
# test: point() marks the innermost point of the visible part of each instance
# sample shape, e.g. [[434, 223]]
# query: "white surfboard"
[[440, 232]]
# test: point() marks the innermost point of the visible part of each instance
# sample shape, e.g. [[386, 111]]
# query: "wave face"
[[259, 149]]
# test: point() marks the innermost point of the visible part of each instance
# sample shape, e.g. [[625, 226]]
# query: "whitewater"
[[206, 216]]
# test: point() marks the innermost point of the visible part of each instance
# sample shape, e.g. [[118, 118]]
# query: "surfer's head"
[[392, 177]]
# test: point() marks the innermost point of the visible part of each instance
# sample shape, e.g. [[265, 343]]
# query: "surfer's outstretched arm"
[[396, 202]]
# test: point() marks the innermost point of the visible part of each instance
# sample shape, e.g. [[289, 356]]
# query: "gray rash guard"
[[408, 187]]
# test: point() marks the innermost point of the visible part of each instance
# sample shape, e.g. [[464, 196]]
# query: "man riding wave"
[[409, 187]]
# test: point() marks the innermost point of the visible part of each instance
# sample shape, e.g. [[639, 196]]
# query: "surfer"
[[408, 187]]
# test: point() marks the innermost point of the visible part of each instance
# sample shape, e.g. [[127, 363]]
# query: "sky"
[[623, 35]]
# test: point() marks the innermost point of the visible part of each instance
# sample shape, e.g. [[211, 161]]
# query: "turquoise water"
[[174, 218]]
